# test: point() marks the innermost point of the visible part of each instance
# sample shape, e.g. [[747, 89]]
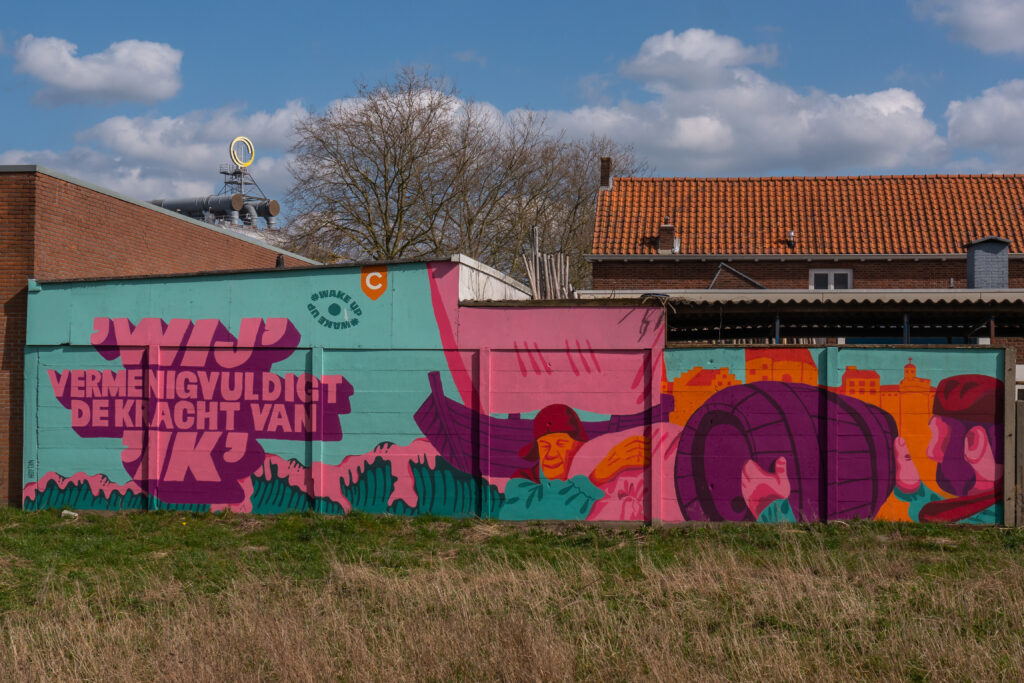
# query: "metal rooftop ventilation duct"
[[195, 207], [231, 208]]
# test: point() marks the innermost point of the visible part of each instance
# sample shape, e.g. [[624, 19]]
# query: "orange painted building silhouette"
[[693, 387], [910, 404], [863, 384], [781, 365]]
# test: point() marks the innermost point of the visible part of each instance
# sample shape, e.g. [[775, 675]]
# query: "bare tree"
[[372, 173], [409, 169]]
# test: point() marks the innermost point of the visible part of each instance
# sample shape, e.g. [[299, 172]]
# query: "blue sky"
[[144, 98]]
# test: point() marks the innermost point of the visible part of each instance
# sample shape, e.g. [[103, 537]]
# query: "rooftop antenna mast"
[[236, 174], [240, 199], [238, 181]]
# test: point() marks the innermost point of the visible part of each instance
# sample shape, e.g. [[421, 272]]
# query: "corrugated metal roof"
[[816, 296]]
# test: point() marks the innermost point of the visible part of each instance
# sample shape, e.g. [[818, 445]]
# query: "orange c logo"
[[374, 281]]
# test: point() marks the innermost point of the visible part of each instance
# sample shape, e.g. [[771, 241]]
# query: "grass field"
[[168, 596]]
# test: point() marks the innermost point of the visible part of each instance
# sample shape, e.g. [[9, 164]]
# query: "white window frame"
[[831, 276]]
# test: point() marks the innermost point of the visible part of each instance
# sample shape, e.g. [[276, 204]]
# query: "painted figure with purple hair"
[[967, 444]]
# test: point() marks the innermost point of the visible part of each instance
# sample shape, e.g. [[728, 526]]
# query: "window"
[[831, 279]]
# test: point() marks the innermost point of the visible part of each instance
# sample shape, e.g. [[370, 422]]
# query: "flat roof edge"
[[471, 262], [237, 271]]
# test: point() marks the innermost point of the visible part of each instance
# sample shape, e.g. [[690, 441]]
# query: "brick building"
[[936, 259], [871, 232], [56, 227]]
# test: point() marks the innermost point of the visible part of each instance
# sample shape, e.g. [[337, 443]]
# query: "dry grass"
[[709, 609]]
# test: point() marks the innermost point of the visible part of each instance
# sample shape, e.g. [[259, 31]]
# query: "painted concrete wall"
[[373, 389]]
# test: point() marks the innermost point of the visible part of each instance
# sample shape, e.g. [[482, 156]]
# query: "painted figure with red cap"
[[559, 436], [967, 444], [575, 476]]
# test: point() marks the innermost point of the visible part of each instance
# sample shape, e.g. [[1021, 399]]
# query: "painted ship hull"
[[455, 430]]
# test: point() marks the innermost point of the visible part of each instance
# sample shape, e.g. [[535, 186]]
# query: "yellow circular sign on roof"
[[244, 156]]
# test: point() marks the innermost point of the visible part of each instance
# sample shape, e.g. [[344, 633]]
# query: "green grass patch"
[[700, 600]]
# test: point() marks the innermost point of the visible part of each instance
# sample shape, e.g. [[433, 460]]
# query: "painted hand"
[[631, 453], [907, 477], [760, 487]]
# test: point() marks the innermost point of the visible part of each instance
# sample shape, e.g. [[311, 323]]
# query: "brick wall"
[[54, 229], [83, 233], [653, 275], [17, 214]]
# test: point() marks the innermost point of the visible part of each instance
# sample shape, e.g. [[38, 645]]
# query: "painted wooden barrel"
[[838, 450]]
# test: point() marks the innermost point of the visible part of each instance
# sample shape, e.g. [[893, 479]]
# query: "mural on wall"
[[906, 450], [192, 401], [513, 413]]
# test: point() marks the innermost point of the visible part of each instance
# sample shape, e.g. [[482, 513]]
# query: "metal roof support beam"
[[735, 272]]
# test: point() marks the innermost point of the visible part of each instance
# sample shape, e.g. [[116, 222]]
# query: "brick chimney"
[[666, 237], [606, 173]]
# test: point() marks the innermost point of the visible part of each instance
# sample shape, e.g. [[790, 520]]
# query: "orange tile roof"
[[925, 214]]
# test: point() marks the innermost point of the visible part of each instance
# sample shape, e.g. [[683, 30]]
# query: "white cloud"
[[127, 71], [711, 114], [593, 88], [101, 169], [197, 140], [708, 112], [467, 56], [173, 156], [992, 26], [695, 55], [992, 122]]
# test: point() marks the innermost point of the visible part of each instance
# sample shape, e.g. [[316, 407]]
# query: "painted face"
[[556, 452], [939, 442]]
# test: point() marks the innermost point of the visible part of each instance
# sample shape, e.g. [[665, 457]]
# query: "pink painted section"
[[626, 493], [551, 355], [327, 480], [665, 441], [402, 458], [561, 356], [623, 495], [444, 294]]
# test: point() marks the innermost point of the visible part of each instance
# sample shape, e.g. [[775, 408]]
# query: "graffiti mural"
[[192, 401], [373, 389], [802, 440]]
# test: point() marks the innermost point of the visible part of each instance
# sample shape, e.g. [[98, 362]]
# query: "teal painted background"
[[386, 356]]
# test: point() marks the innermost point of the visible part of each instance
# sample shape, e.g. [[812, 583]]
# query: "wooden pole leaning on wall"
[[548, 274]]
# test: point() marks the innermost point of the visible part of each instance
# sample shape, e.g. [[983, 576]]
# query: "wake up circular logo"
[[334, 309]]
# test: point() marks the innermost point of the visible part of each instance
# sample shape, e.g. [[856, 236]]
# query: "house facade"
[[868, 232]]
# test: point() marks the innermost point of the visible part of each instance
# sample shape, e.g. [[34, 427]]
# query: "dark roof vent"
[[988, 263]]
